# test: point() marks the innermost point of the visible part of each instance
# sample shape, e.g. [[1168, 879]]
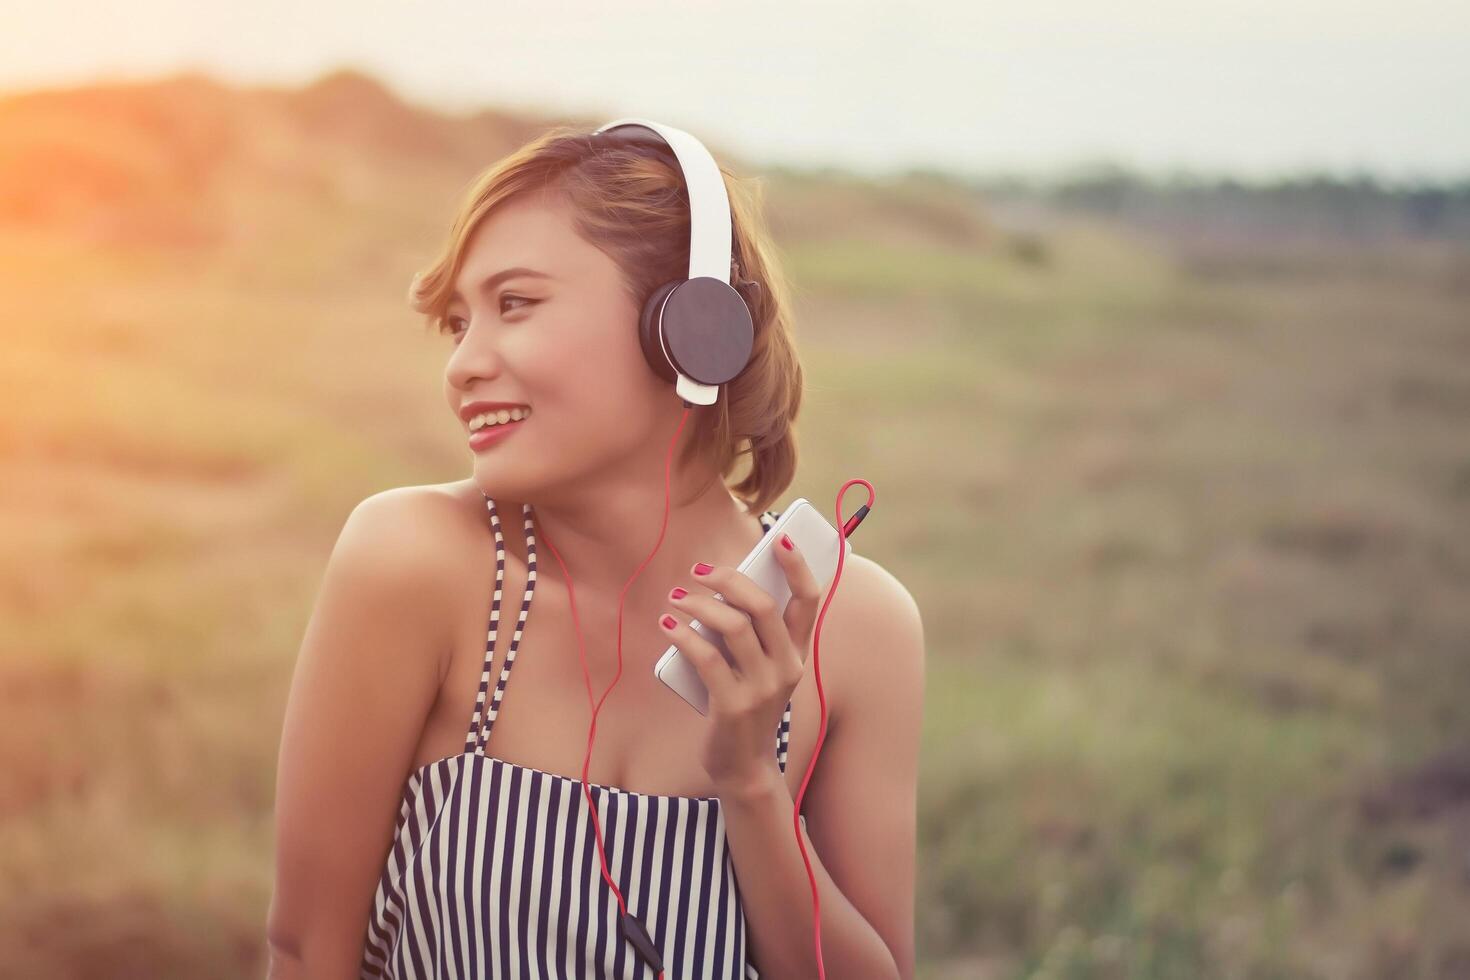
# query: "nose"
[[476, 356]]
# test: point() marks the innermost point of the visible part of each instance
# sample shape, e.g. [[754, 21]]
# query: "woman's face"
[[564, 343]]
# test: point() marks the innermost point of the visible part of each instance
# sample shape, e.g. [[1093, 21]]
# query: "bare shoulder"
[[411, 522], [367, 674], [402, 549], [864, 791], [876, 584], [875, 630]]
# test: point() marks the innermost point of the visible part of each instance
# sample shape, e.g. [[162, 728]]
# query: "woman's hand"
[[746, 701]]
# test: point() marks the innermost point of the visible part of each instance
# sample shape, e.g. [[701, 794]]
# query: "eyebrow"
[[489, 284]]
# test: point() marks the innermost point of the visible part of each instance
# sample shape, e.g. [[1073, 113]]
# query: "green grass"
[[1120, 803]]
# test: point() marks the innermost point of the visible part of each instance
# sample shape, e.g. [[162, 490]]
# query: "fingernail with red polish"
[[668, 622], [703, 569], [786, 543], [678, 593]]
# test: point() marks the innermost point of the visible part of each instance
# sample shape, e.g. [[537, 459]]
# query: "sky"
[[1252, 88]]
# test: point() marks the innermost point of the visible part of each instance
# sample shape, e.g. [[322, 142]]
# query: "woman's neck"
[[604, 533]]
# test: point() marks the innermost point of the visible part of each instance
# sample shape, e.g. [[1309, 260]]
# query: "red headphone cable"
[[848, 526], [632, 927]]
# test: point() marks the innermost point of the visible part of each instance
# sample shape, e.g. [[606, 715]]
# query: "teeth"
[[499, 417]]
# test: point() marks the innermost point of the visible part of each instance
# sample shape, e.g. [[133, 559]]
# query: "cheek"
[[588, 377], [608, 402], [605, 374]]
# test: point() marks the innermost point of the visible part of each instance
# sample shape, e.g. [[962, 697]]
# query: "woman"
[[410, 843]]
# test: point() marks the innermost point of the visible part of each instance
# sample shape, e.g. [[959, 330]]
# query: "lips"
[[491, 434]]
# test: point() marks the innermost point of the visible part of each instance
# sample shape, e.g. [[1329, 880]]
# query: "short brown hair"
[[629, 200]]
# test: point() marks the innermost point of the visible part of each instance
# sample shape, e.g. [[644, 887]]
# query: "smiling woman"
[[404, 847], [582, 225]]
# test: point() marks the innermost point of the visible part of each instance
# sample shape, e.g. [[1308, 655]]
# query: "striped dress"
[[493, 870]]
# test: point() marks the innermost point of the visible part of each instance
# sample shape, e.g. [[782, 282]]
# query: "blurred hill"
[[1178, 477], [184, 159], [171, 160], [188, 161], [1196, 209]]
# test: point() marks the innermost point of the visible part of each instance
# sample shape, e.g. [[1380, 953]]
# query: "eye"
[[455, 326]]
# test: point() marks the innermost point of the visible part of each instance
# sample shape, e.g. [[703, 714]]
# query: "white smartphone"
[[817, 541]]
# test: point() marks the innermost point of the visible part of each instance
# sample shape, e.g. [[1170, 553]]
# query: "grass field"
[[1189, 528]]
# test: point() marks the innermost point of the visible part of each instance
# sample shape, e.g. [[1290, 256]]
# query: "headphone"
[[698, 332]]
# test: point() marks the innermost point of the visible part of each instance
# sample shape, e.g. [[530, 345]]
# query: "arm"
[[860, 805], [365, 679]]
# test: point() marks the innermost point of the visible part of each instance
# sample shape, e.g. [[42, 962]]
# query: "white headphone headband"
[[709, 205]]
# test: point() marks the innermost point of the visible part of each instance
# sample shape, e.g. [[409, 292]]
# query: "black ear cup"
[[648, 332], [699, 327]]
